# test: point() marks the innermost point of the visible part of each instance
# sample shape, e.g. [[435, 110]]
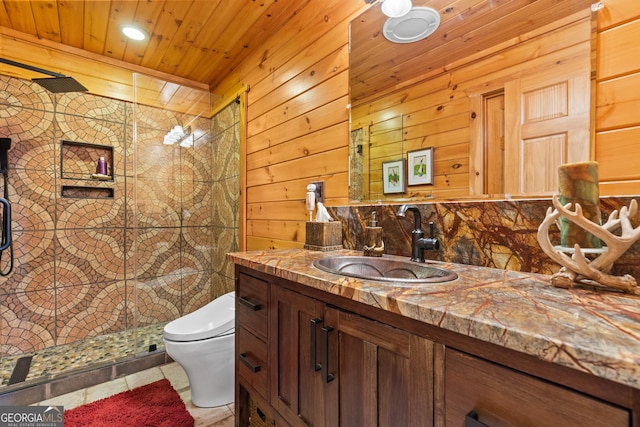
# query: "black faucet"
[[418, 242]]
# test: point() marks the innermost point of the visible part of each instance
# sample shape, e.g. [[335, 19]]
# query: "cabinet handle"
[[315, 366], [471, 420], [251, 305], [328, 377], [243, 358]]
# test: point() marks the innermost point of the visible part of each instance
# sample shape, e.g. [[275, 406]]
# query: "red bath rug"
[[153, 405]]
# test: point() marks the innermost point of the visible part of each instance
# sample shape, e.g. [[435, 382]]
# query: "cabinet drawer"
[[251, 360], [502, 397], [251, 309]]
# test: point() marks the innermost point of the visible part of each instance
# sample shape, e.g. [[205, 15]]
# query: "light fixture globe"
[[396, 8]]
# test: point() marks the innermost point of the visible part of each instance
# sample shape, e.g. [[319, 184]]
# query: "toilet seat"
[[213, 320]]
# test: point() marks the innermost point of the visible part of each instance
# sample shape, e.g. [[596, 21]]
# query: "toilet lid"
[[214, 319]]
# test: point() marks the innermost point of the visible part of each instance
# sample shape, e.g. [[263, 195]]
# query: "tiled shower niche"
[[78, 160], [78, 163]]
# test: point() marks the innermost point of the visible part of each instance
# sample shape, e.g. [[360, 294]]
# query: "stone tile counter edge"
[[589, 330]]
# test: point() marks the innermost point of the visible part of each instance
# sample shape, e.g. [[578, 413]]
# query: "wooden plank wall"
[[297, 117], [297, 128], [617, 147], [298, 124], [437, 111], [297, 121]]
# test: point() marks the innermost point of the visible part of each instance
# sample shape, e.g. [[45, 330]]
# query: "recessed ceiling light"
[[134, 33]]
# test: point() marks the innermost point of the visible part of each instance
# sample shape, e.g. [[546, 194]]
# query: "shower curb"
[[27, 394]]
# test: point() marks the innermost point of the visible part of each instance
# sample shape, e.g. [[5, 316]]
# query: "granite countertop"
[[589, 330]]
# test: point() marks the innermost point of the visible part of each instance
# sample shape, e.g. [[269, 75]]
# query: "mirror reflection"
[[488, 104]]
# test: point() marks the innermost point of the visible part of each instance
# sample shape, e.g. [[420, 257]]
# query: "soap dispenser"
[[373, 243]]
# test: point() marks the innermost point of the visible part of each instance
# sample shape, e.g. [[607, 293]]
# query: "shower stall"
[[103, 261]]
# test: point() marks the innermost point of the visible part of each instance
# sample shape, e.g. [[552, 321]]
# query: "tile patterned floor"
[[222, 416]]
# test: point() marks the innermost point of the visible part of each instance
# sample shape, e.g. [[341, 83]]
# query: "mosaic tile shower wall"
[[225, 193], [70, 275], [172, 222], [87, 267]]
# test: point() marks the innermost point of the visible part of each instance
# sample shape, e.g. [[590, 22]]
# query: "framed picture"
[[420, 166], [393, 177]]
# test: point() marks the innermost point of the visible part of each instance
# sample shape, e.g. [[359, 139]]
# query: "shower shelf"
[[78, 161], [82, 192]]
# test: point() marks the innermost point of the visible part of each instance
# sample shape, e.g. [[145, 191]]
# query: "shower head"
[[59, 83]]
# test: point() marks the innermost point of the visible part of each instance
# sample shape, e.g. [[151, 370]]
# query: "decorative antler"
[[578, 266]]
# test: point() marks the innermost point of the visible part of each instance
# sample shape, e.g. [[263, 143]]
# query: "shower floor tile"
[[53, 361]]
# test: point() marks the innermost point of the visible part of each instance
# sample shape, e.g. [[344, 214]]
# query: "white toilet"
[[202, 343]]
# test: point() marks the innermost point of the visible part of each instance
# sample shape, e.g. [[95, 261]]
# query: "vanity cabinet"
[[331, 367], [310, 358]]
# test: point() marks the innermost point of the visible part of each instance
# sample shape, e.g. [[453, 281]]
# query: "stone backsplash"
[[499, 234]]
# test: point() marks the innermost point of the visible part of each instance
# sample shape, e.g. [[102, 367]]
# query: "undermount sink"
[[386, 269]]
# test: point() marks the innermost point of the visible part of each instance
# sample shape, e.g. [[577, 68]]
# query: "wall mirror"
[[498, 93]]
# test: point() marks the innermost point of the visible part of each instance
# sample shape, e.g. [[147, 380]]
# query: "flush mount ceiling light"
[[396, 8], [416, 25], [134, 33]]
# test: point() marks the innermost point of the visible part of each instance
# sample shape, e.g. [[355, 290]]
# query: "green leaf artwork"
[[394, 176], [419, 167]]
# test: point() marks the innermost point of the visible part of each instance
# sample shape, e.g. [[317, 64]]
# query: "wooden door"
[[298, 391], [493, 113], [547, 124], [386, 374]]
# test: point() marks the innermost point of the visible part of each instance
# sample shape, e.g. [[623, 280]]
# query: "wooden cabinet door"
[[298, 391], [334, 368], [385, 374]]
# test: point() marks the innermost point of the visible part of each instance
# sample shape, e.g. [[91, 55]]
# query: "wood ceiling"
[[197, 40], [197, 43], [466, 28]]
